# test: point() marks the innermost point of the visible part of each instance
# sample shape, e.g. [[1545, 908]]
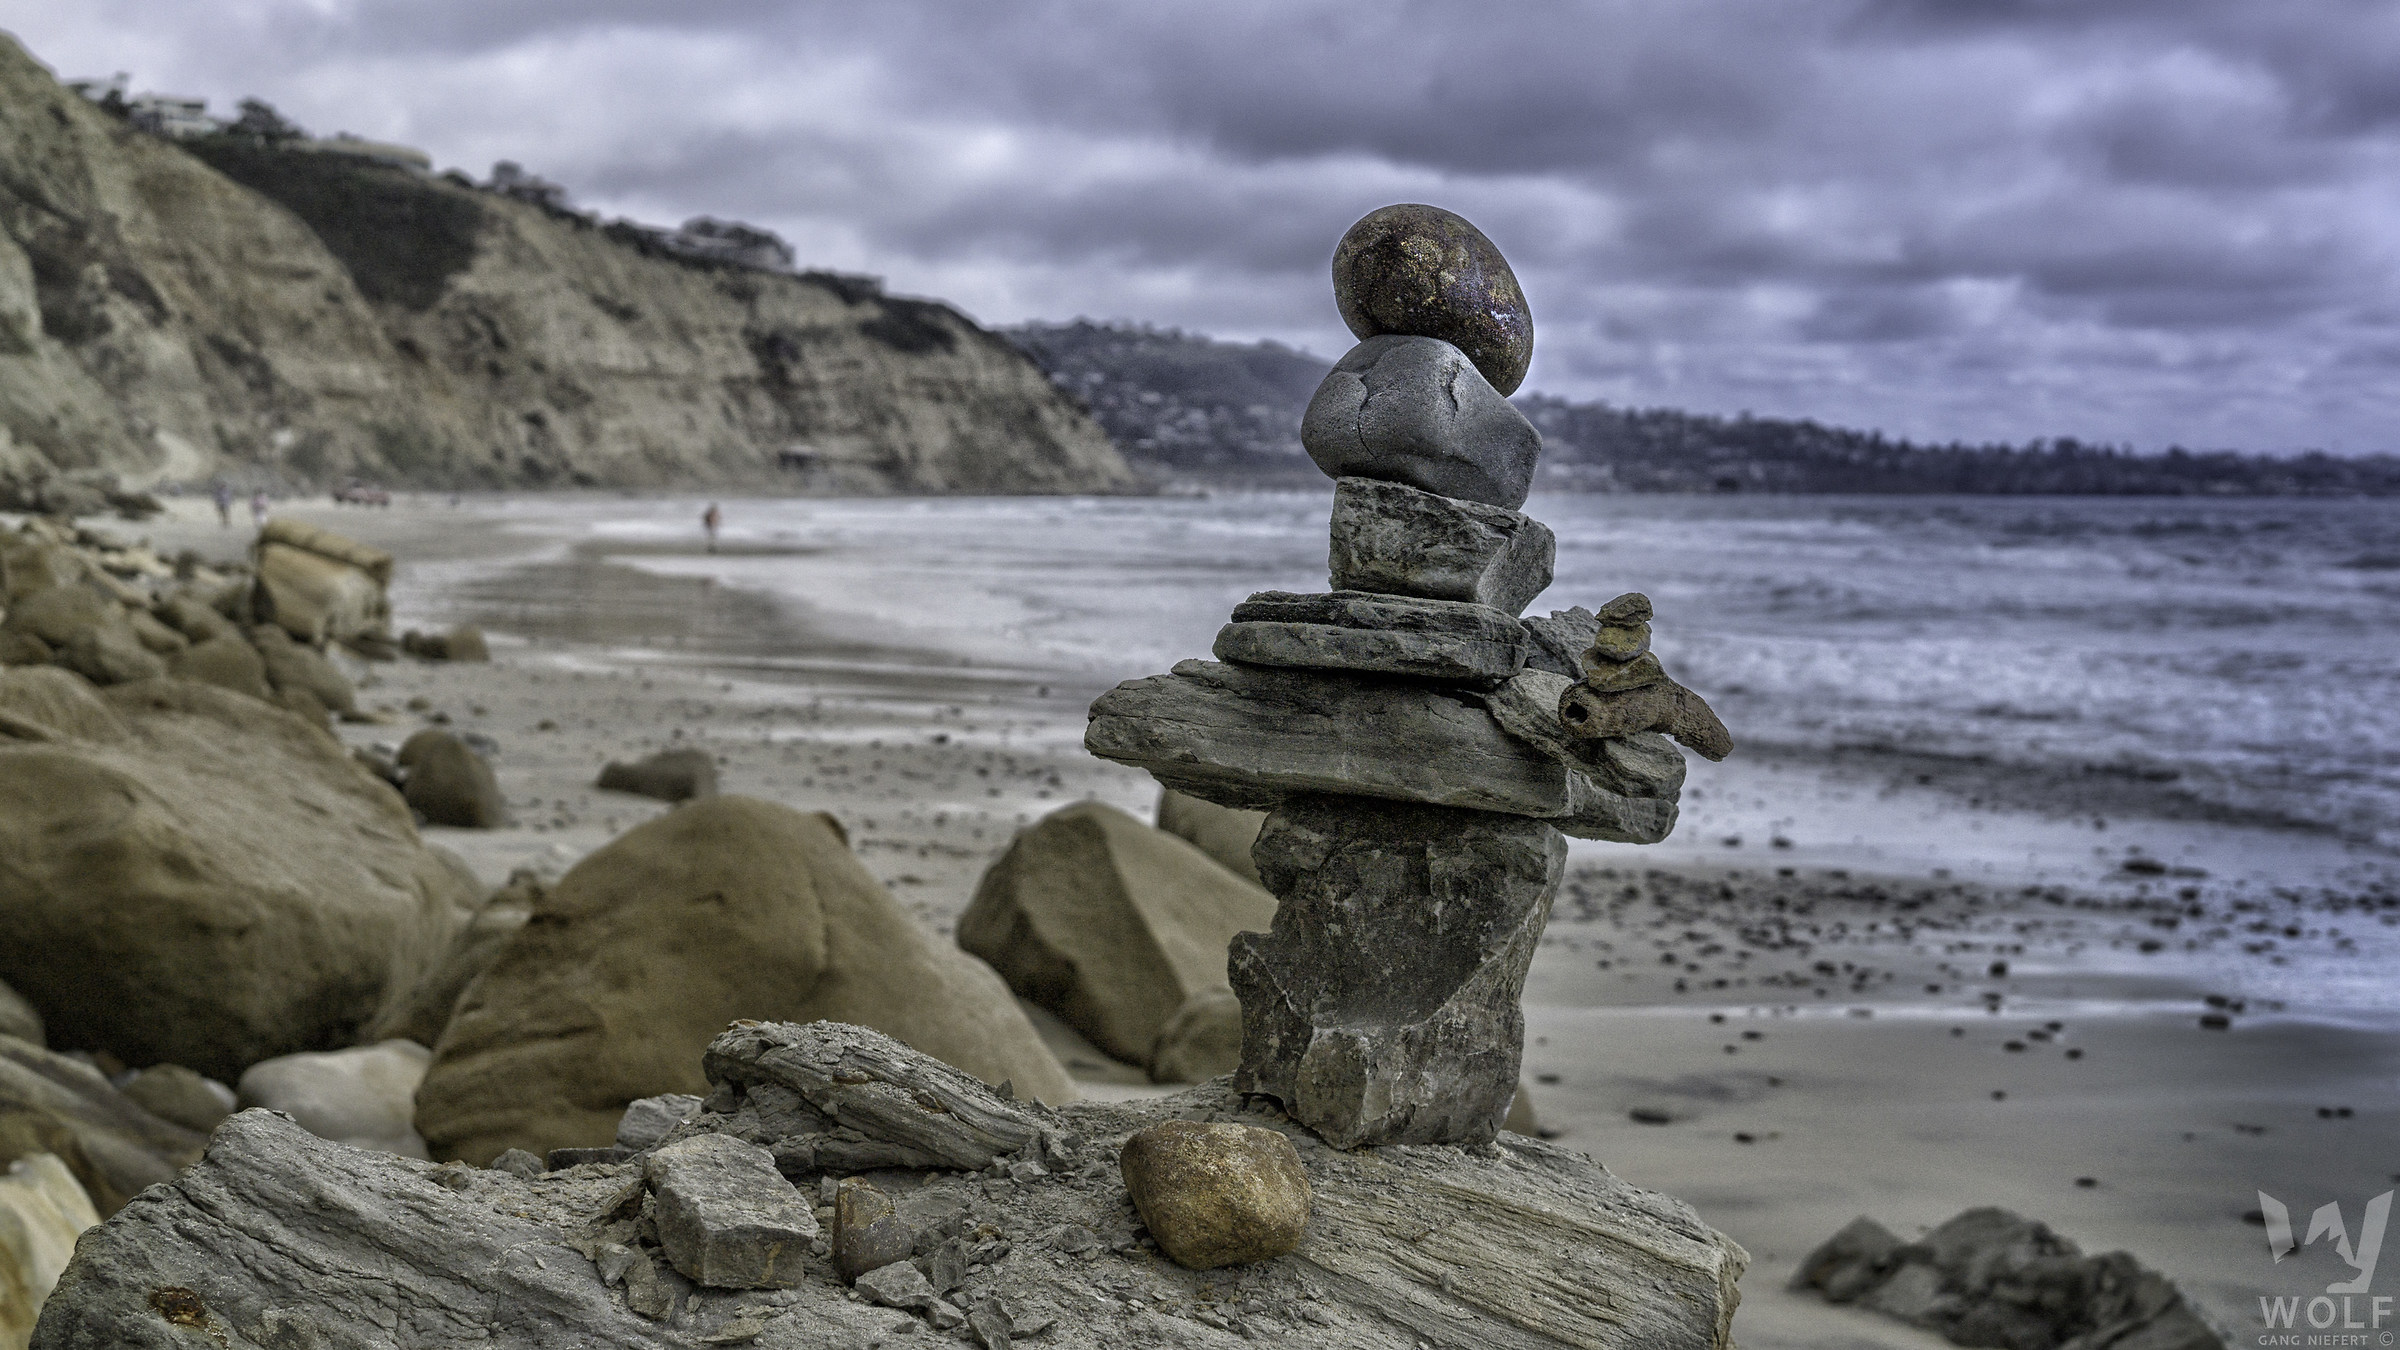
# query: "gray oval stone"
[[1415, 410], [1421, 271]]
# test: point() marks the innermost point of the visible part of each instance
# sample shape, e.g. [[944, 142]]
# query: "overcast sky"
[[2141, 221]]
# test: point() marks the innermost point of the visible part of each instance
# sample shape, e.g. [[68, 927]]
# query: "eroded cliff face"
[[170, 312]]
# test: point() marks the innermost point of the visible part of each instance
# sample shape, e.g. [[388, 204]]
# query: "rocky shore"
[[2175, 1123]]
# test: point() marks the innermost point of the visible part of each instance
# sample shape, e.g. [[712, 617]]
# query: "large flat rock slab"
[[279, 1239], [1248, 737]]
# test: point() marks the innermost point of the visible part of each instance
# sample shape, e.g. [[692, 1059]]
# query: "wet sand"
[[1926, 998]]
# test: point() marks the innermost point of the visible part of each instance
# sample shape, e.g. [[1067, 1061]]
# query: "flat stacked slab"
[[1250, 737], [1444, 640]]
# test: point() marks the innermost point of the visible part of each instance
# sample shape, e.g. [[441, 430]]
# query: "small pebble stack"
[[1625, 691]]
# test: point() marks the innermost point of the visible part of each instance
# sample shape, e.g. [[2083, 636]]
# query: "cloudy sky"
[[2142, 221]]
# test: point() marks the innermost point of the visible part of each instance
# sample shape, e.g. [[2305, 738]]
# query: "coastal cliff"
[[171, 310]]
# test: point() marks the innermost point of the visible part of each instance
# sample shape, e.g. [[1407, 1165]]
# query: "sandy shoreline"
[[1900, 898]]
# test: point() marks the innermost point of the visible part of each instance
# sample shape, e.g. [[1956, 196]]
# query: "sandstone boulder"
[[155, 636], [364, 1096], [292, 667], [50, 1103], [109, 654], [44, 704], [1202, 1040], [196, 878], [175, 1094], [88, 632], [1224, 833], [42, 1211], [195, 618], [425, 1011], [449, 784], [30, 562], [57, 613], [19, 1018], [227, 662], [318, 586], [726, 908], [1109, 923]]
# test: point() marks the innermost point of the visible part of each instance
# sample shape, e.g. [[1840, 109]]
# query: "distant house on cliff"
[[734, 242], [509, 179], [379, 152], [706, 239], [173, 115], [99, 90]]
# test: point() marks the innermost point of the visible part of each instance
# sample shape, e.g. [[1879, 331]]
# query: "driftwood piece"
[[280, 1239], [1595, 714], [829, 1097], [1639, 765]]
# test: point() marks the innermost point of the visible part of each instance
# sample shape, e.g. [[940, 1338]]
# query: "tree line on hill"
[[1181, 405]]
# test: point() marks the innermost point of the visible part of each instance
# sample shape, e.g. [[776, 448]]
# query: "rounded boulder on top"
[[1420, 271]]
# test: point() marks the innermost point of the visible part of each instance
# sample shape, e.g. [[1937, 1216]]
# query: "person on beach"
[[710, 519], [258, 508], [222, 493]]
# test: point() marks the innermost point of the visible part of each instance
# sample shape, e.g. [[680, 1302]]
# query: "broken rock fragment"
[[726, 1218], [868, 1233], [1394, 539]]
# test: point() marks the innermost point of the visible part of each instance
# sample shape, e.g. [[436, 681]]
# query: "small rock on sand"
[[364, 1096], [669, 776], [449, 784]]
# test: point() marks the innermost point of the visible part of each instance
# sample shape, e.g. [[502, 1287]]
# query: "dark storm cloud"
[[2146, 220]]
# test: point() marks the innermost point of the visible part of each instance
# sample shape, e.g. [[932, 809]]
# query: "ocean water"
[[2231, 660]]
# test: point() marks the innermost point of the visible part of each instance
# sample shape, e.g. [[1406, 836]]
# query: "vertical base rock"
[[1382, 1008]]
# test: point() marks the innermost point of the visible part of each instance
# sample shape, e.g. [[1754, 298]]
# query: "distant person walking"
[[710, 519], [258, 508], [223, 495]]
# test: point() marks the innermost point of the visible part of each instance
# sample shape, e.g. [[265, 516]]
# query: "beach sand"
[[1925, 1000]]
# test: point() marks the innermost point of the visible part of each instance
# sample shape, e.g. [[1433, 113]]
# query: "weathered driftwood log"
[[1667, 706], [833, 1098], [280, 1239]]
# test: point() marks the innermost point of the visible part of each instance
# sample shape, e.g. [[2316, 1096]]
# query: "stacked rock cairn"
[[1420, 749]]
